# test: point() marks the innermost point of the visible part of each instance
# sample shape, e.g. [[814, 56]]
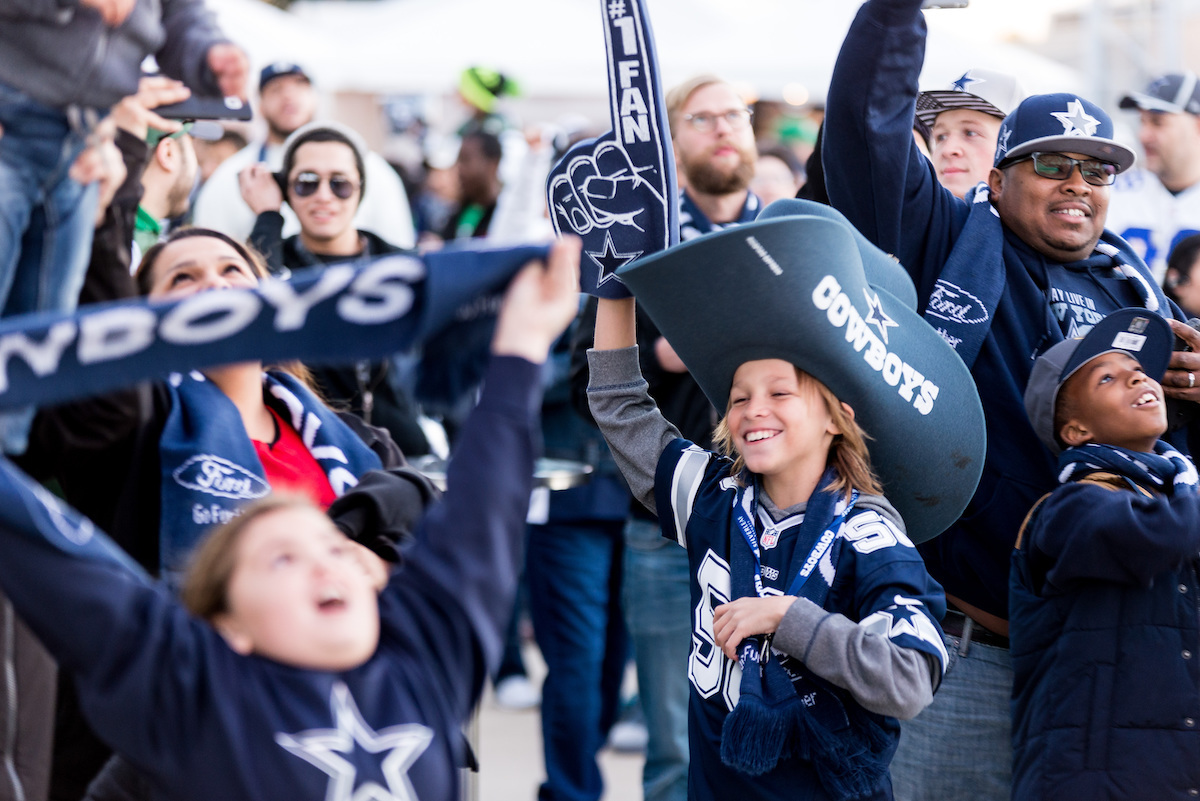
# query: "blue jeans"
[[46, 220], [574, 576], [657, 595], [960, 746]]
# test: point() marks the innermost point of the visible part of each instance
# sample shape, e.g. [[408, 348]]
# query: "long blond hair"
[[848, 454]]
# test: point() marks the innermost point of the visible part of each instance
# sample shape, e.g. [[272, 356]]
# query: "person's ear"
[[996, 183], [1073, 434], [238, 640], [166, 153]]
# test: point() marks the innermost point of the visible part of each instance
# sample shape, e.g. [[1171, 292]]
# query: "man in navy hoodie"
[[1022, 264]]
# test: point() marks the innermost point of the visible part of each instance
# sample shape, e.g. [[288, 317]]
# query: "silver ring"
[[1191, 380]]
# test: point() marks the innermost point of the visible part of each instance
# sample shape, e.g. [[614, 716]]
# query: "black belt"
[[956, 624]]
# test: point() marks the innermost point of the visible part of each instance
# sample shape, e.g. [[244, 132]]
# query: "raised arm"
[[874, 173], [453, 595], [620, 401]]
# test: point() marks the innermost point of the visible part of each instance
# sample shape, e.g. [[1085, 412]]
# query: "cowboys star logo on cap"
[[966, 80], [1076, 121], [1060, 123]]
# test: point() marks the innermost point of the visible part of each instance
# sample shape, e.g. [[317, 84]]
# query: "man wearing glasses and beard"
[[715, 155], [322, 181]]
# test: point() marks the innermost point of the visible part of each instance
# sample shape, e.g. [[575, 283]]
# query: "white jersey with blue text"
[[1151, 219]]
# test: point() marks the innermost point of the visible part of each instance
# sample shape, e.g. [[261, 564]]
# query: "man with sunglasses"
[[322, 181], [1024, 262]]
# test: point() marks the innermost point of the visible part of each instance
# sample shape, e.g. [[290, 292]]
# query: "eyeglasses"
[[307, 183], [704, 122], [1058, 167]]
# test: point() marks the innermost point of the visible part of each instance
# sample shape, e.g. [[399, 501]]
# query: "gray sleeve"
[[635, 430], [883, 677], [191, 29]]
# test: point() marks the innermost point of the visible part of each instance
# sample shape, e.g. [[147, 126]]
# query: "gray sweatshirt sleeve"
[[635, 430], [883, 677]]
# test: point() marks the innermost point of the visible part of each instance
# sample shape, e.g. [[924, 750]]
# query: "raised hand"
[[617, 192]]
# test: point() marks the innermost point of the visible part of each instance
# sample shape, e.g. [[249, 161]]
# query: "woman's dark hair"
[[1179, 264], [145, 281]]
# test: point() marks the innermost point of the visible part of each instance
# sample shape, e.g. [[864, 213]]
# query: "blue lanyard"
[[746, 515]]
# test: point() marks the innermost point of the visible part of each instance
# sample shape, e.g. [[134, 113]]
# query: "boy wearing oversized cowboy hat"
[[814, 624]]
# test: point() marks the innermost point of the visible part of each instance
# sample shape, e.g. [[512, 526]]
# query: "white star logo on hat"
[[878, 317], [1076, 121]]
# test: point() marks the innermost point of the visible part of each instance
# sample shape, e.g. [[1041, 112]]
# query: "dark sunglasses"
[[1058, 167], [307, 183]]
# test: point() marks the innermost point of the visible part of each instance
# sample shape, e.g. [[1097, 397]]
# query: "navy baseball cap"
[[1142, 334], [1060, 123], [278, 70], [1173, 93]]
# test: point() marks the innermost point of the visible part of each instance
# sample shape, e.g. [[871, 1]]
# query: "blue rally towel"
[[617, 192], [210, 468], [331, 315]]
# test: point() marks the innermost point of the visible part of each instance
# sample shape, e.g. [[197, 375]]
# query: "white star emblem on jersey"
[[1076, 121], [878, 317], [324, 749]]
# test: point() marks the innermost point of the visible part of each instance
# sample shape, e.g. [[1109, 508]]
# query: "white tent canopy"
[[554, 48]]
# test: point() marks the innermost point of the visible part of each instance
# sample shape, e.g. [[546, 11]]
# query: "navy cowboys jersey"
[[881, 583]]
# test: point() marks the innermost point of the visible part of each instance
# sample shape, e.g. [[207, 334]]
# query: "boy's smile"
[[781, 427], [1111, 401]]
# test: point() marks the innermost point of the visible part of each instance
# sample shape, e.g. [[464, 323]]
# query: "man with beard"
[[167, 182], [287, 100], [714, 153]]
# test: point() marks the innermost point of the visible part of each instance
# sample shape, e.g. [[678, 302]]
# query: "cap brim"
[[1094, 146], [794, 288], [1144, 102], [931, 104]]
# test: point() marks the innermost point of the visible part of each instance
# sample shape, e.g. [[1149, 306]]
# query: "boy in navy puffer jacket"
[[1105, 627]]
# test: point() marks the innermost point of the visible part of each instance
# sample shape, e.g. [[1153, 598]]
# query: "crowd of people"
[[270, 600]]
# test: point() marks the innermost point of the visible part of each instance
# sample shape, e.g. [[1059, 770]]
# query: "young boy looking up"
[[1104, 582]]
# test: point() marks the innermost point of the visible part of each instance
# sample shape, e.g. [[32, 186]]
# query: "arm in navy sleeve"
[[1089, 532], [453, 597], [874, 173], [191, 30]]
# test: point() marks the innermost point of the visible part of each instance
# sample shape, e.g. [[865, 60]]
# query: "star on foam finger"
[[1076, 121], [324, 748], [609, 261]]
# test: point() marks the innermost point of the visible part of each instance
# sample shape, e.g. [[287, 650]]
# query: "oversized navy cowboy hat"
[[795, 288], [882, 270]]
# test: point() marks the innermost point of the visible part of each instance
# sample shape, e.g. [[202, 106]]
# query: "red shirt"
[[291, 468]]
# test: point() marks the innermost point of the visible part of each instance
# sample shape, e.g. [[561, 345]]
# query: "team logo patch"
[[220, 477], [770, 539], [1076, 121]]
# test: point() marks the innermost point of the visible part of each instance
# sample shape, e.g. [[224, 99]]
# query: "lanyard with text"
[[745, 513]]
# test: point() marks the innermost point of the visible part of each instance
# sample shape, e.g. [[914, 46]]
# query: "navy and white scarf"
[[694, 223], [210, 467], [782, 715], [1165, 471], [963, 303]]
